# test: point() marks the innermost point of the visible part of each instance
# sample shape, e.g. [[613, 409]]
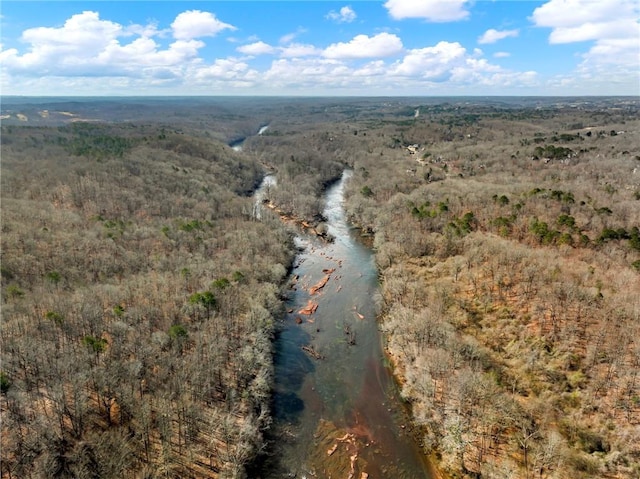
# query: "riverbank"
[[139, 304], [336, 411], [318, 228], [506, 299]]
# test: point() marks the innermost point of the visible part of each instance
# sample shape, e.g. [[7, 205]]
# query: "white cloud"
[[149, 30], [582, 20], [615, 50], [613, 64], [89, 46], [91, 55], [362, 46], [82, 36], [289, 37], [345, 15], [492, 35], [375, 68], [612, 26], [70, 47], [195, 23], [431, 63], [310, 75], [568, 13], [594, 31], [293, 50], [226, 69], [299, 50], [502, 54], [88, 55], [450, 64], [257, 48], [431, 10], [139, 49], [478, 72], [443, 68]]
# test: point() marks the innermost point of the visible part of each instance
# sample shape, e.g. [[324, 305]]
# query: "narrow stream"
[[336, 407]]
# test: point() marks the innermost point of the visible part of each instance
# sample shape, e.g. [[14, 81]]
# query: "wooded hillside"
[[139, 302], [507, 238], [140, 296], [509, 252]]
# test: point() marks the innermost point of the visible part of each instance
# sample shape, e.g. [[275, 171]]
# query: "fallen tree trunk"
[[312, 352], [309, 309], [319, 285]]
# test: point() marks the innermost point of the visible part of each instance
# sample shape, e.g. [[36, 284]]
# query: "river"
[[336, 407], [237, 144]]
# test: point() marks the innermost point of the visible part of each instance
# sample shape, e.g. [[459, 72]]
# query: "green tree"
[[204, 299]]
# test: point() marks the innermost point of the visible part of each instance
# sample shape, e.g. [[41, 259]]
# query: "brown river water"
[[337, 410]]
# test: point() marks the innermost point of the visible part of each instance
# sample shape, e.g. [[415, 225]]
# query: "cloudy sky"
[[385, 47]]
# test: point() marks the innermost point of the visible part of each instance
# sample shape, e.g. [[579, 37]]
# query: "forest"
[[140, 296], [139, 304]]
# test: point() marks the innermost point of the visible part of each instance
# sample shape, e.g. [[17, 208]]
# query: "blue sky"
[[386, 47]]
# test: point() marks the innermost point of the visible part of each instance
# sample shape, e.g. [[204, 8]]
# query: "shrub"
[[96, 345], [14, 291], [54, 316], [366, 191], [566, 220], [5, 382], [221, 283], [177, 331]]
